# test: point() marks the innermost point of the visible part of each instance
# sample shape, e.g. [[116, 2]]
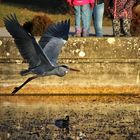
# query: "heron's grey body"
[[43, 70], [41, 57]]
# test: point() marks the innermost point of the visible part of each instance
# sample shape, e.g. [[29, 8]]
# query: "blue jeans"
[[97, 14], [82, 12]]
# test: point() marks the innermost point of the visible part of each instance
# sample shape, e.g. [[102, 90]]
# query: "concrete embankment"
[[105, 64]]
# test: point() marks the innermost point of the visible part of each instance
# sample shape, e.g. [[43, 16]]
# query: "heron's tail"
[[25, 72]]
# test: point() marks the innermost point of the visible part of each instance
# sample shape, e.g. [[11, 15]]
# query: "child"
[[82, 11], [121, 11]]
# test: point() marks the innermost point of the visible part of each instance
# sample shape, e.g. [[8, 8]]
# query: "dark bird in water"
[[41, 57], [34, 133], [63, 124]]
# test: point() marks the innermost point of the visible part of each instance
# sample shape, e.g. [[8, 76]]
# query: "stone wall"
[[102, 61]]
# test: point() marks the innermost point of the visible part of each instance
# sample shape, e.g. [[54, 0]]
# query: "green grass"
[[26, 13]]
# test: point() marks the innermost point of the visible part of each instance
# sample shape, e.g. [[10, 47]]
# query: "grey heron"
[[42, 56]]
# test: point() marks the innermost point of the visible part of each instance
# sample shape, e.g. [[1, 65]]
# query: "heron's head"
[[63, 70]]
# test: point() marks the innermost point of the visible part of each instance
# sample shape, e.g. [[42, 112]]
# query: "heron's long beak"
[[72, 69]]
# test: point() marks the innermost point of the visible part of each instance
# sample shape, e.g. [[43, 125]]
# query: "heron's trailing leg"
[[16, 89]]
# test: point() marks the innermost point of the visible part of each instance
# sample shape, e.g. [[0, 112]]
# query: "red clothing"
[[80, 2], [122, 8]]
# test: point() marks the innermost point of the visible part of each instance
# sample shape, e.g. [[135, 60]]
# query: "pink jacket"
[[80, 2]]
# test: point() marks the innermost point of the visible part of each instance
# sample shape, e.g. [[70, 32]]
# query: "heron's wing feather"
[[26, 43], [58, 30], [22, 39], [53, 49]]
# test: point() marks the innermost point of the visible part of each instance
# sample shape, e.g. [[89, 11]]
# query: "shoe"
[[85, 33]]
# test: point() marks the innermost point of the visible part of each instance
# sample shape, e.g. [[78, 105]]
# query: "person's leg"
[[77, 10], [90, 18], [116, 27], [126, 27], [85, 11], [98, 13]]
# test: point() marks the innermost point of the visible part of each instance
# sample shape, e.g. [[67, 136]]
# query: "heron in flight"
[[42, 56]]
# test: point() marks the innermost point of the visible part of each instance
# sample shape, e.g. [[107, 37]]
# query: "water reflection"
[[34, 117]]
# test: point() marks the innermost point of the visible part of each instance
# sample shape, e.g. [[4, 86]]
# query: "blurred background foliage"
[[27, 10], [36, 15], [51, 6]]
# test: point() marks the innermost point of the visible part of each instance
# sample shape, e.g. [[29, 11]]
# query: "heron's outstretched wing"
[[54, 38], [53, 49], [26, 43], [58, 30]]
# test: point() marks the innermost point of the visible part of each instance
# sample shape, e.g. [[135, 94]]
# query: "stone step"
[[85, 48], [102, 62]]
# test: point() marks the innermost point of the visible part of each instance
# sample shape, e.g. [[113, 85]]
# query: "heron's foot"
[[15, 90]]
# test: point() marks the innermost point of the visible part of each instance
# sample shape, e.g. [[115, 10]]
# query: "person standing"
[[121, 11], [97, 14], [82, 13]]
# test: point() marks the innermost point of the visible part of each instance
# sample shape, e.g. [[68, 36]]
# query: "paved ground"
[[106, 29]]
